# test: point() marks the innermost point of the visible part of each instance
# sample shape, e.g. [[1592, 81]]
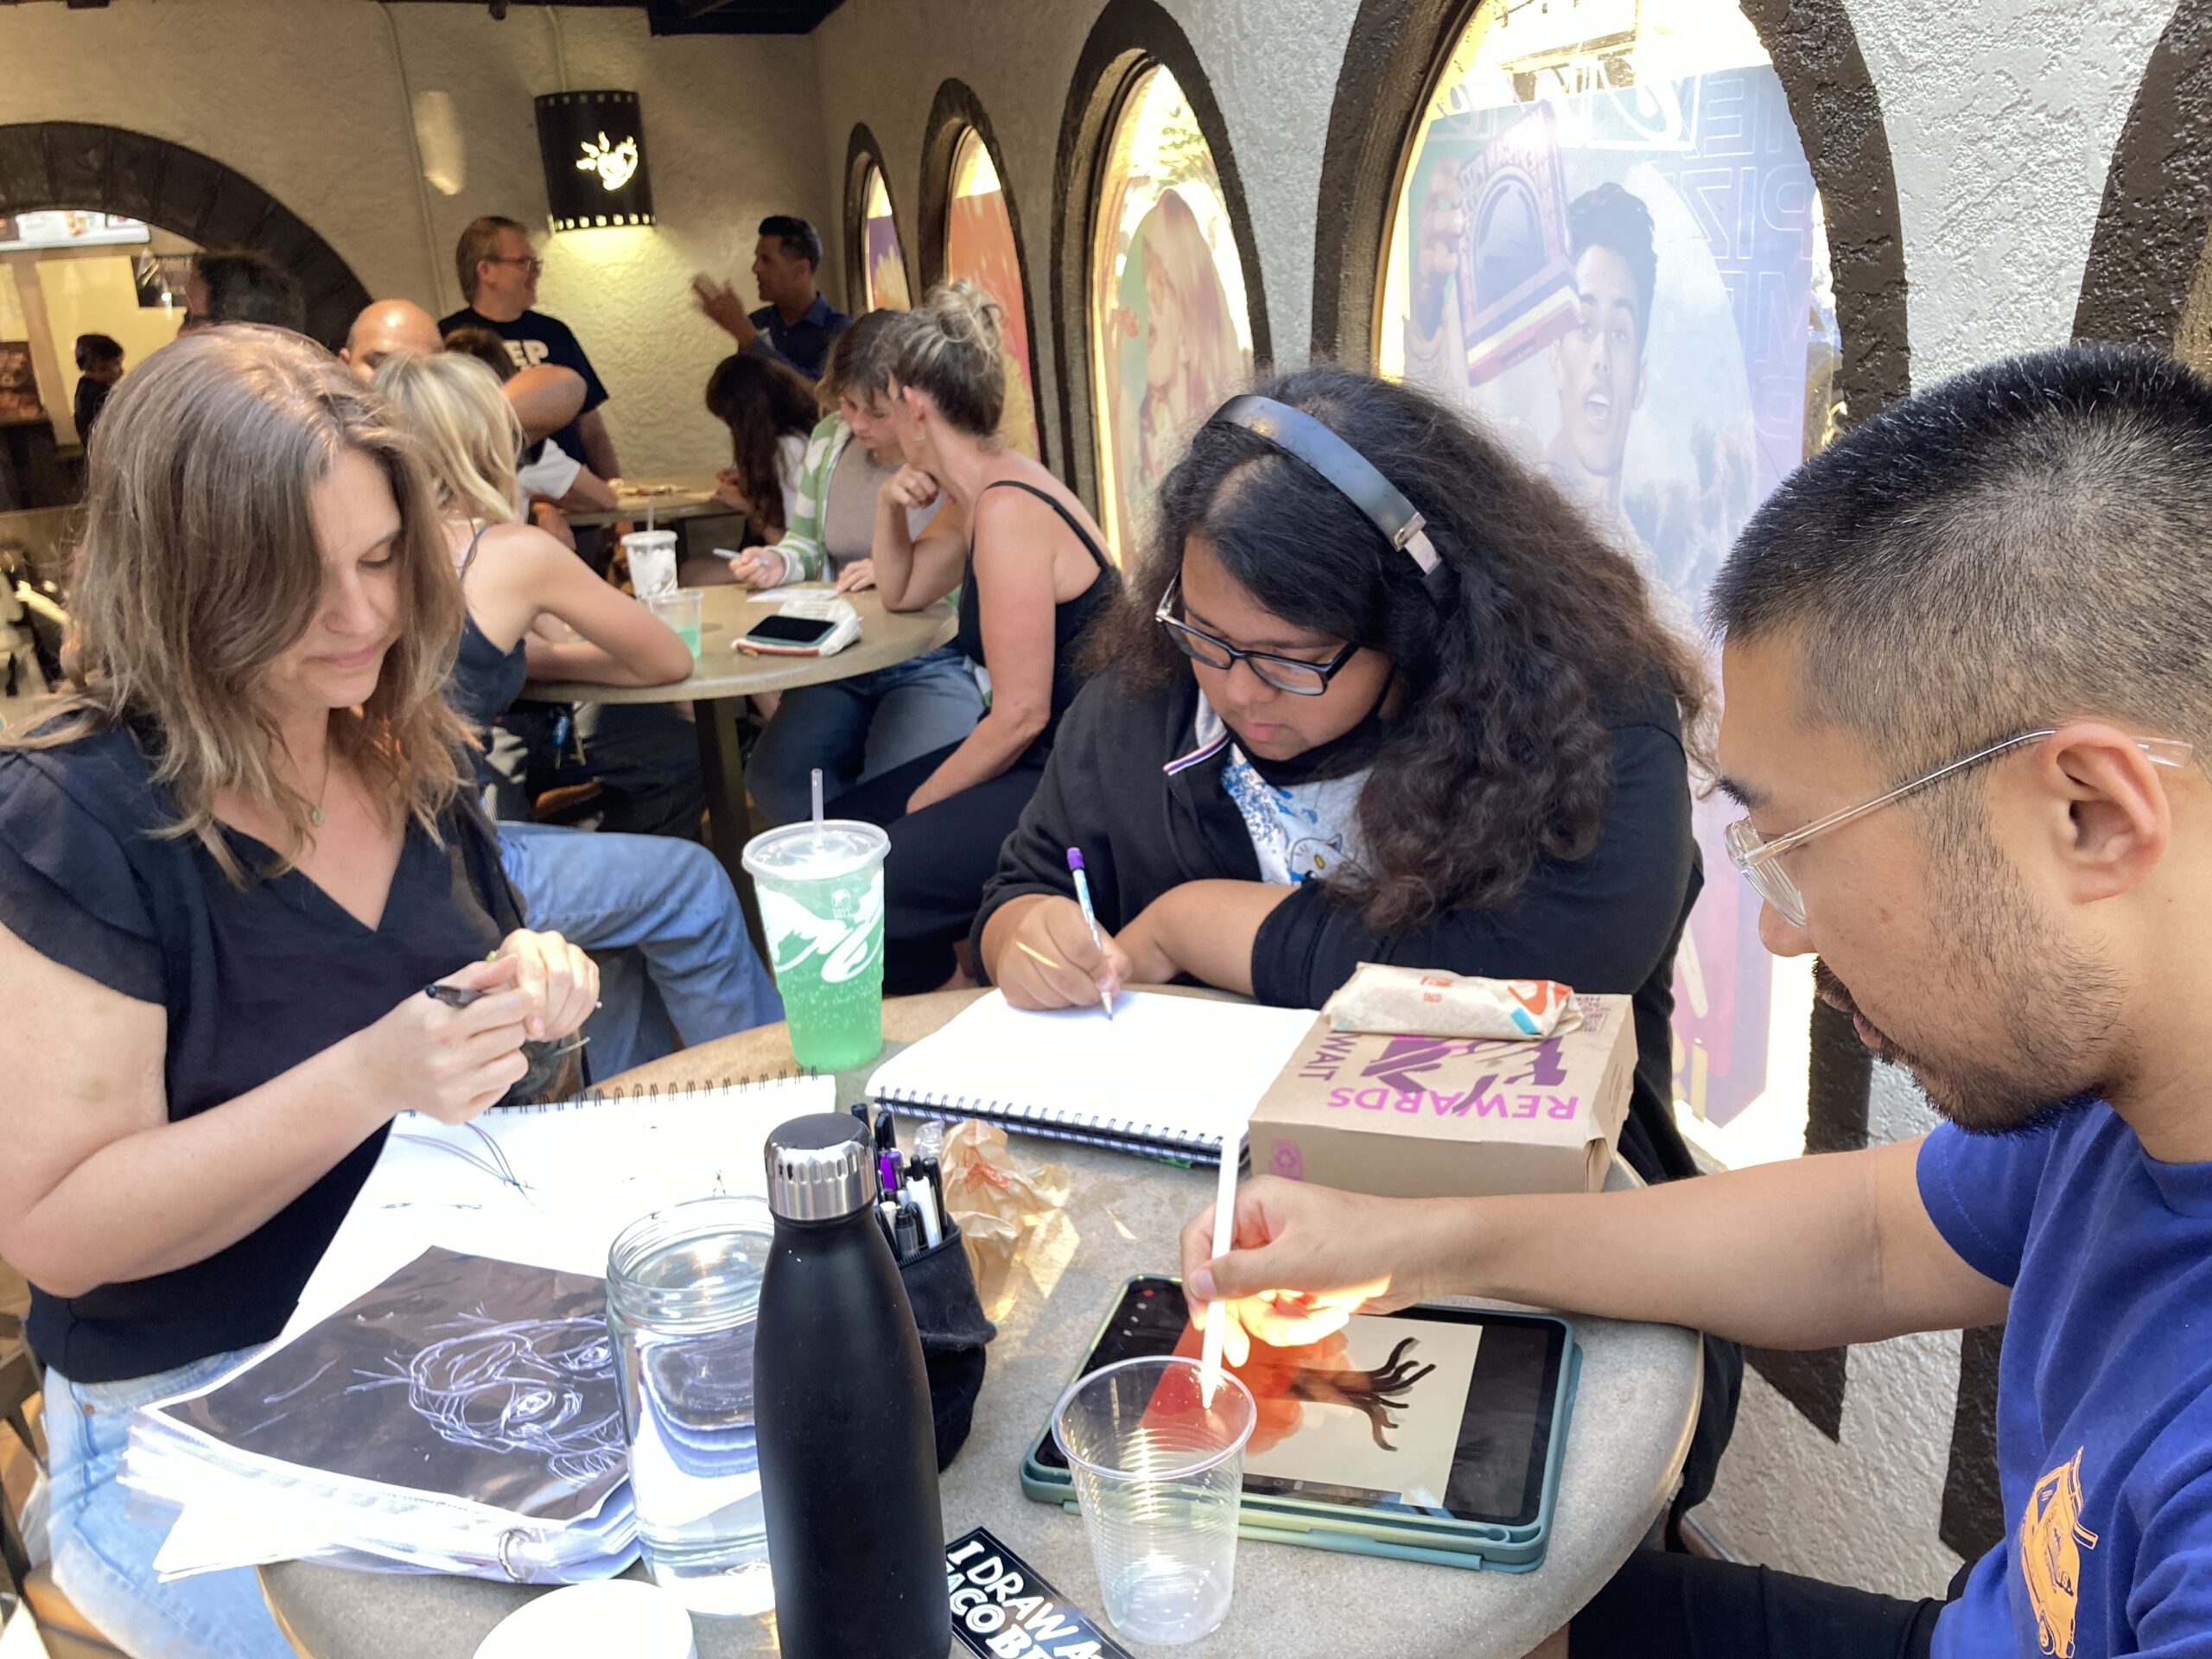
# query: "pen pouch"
[[941, 1287]]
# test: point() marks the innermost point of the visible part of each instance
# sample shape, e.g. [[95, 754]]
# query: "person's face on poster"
[[1597, 364]]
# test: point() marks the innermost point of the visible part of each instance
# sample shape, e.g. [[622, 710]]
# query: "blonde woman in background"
[[1032, 576], [659, 914], [228, 866]]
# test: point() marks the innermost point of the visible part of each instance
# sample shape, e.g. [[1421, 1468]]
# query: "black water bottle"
[[842, 1404]]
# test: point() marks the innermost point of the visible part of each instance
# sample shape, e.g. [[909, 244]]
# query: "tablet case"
[[1316, 1524]]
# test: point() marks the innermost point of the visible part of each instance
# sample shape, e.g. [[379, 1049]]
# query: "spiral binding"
[[631, 1094], [1054, 1123]]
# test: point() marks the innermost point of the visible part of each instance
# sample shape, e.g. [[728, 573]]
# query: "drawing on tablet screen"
[[1373, 1405]]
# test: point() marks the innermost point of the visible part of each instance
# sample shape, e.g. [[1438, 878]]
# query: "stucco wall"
[[310, 99]]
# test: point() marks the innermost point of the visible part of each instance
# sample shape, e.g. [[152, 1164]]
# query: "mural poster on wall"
[[1170, 328], [1621, 282], [979, 244]]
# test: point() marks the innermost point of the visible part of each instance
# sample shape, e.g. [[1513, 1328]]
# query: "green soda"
[[821, 892]]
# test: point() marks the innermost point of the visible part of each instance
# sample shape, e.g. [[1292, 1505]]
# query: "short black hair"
[[1614, 218], [98, 348], [800, 239], [246, 286], [2027, 541]]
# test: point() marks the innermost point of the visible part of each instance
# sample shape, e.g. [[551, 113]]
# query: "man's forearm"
[[1788, 1255], [599, 444]]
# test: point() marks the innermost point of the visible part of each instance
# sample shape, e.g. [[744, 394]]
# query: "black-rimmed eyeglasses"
[[1292, 674]]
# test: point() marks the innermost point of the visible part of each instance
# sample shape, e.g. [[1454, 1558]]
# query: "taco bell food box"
[[1422, 1117]]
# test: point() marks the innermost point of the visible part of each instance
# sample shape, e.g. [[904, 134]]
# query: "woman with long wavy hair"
[[230, 862], [770, 409], [1309, 752]]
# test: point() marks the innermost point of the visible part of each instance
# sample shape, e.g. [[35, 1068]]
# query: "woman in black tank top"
[[1034, 574]]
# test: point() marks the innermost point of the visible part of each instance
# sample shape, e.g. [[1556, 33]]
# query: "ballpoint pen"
[[1090, 919]]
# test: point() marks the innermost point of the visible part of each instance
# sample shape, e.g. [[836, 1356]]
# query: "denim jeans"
[[854, 729], [104, 1553], [660, 917]]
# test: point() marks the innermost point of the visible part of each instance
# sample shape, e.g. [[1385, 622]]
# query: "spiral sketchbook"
[[552, 1185], [1165, 1076]]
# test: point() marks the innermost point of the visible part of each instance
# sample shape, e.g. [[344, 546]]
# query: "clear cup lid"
[[815, 852]]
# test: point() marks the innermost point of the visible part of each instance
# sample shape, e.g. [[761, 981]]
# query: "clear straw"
[[817, 794], [649, 515]]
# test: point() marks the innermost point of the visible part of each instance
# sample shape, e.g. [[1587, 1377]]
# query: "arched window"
[[883, 263], [1170, 325], [979, 244], [1606, 241]]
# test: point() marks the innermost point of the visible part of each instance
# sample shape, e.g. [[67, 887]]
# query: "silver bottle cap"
[[821, 1167]]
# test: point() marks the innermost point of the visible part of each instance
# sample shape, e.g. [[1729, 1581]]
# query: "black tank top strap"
[[1058, 506], [468, 558]]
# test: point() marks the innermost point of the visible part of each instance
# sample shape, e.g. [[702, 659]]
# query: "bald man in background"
[[546, 399]]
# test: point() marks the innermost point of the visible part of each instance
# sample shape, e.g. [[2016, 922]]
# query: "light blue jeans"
[[104, 1540], [854, 729], [659, 917]]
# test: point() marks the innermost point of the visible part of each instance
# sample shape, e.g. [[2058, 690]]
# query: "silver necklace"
[[314, 807]]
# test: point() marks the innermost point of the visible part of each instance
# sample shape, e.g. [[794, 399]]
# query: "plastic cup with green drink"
[[821, 890]]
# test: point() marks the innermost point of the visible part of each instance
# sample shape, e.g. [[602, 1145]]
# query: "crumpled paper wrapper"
[[999, 1206], [1427, 1003]]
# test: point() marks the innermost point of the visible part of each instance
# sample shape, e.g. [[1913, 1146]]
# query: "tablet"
[[1442, 1422]]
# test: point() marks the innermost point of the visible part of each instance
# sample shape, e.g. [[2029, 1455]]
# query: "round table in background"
[[1633, 1413], [669, 500], [725, 674]]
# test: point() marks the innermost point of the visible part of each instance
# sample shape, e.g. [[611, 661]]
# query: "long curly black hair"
[[1497, 758]]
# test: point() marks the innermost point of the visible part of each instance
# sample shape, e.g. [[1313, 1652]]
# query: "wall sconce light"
[[593, 145]]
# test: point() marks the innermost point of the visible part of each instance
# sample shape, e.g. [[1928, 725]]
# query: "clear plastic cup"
[[1158, 1474], [821, 890], [652, 555], [680, 610]]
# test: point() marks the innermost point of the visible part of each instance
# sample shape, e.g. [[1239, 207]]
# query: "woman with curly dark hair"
[[1381, 695]]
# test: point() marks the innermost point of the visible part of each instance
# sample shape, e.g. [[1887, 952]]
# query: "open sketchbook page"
[[1186, 1066], [551, 1188]]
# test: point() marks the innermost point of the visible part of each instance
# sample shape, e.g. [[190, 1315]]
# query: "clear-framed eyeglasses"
[[1760, 860]]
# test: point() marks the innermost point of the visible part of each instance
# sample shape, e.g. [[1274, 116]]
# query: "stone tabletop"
[[1637, 1399], [723, 670]]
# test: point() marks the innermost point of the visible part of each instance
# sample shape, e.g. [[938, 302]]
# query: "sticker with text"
[[1003, 1609]]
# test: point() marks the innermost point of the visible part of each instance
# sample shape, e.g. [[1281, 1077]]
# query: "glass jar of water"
[[683, 1290]]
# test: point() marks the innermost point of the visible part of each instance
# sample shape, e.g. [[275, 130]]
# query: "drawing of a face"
[[522, 1387]]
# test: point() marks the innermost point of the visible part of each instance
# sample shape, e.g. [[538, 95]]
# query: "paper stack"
[[445, 1401]]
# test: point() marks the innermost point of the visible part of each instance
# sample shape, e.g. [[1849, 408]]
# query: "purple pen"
[[1090, 919]]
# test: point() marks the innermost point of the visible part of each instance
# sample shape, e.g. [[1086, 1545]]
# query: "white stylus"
[[1224, 1236]]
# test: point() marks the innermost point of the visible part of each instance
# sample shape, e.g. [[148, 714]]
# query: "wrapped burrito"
[[1423, 1002]]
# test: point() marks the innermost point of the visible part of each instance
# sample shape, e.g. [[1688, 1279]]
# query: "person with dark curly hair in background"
[[1304, 751], [1303, 754]]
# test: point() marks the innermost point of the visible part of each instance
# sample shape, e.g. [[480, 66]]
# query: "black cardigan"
[[1128, 785]]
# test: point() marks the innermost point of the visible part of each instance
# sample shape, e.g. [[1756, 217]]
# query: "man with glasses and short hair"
[[1968, 688], [498, 272]]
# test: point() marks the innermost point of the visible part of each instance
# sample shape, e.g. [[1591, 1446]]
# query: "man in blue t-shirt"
[[1968, 699], [498, 272], [796, 326]]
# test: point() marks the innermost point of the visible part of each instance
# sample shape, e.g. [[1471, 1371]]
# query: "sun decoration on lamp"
[[614, 163], [598, 175]]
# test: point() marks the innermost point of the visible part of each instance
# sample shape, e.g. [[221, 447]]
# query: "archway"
[[53, 164], [1128, 37], [2146, 266]]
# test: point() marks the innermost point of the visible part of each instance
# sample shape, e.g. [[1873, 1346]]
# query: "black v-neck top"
[[254, 979]]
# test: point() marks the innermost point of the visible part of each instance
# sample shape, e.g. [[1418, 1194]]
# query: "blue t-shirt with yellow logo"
[[2104, 1396]]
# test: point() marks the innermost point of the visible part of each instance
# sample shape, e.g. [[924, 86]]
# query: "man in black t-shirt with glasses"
[[499, 272]]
